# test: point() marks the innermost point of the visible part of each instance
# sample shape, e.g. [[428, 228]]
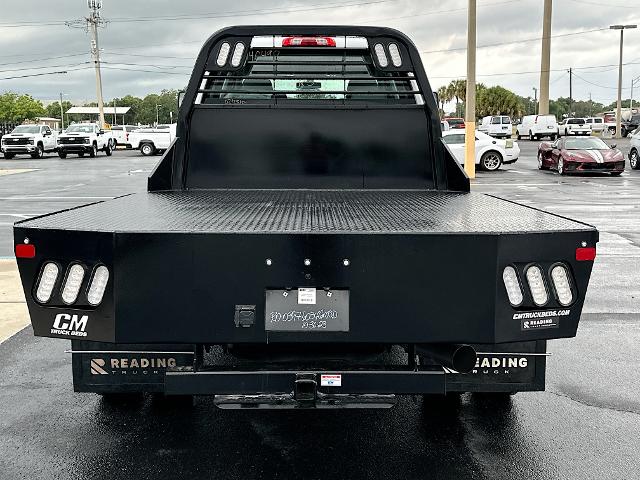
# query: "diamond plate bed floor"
[[306, 211]]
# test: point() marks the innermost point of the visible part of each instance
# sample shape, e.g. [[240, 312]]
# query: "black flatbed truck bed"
[[286, 228]]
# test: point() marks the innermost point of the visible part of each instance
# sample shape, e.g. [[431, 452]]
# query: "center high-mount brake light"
[[72, 284], [47, 281], [308, 42]]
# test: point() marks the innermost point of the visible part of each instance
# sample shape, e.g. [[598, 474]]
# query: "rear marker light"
[[511, 283], [223, 54], [47, 281], [382, 56], [237, 54], [585, 254], [98, 285], [25, 250], [560, 279], [394, 51], [72, 283], [536, 285]]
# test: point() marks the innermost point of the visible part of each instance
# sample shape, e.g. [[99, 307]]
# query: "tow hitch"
[[305, 388]]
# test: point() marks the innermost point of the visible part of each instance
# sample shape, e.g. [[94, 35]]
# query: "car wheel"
[[108, 149], [39, 153], [8, 156], [81, 154], [491, 161], [62, 154], [561, 166], [553, 138], [94, 151], [634, 159], [531, 137], [540, 162], [519, 136], [147, 149]]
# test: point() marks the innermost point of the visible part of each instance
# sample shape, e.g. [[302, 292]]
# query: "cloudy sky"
[[150, 45]]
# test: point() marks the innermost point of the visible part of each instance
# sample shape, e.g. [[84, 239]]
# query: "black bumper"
[[84, 148]]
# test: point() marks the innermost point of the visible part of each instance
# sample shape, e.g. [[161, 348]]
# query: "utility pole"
[[91, 24], [157, 114], [570, 90], [115, 113], [470, 98], [545, 63], [622, 28], [633, 82], [590, 104], [535, 100], [61, 112]]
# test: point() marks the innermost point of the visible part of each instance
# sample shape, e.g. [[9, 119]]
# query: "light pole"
[[622, 28], [157, 114], [535, 100], [545, 61], [633, 83], [61, 110], [470, 97]]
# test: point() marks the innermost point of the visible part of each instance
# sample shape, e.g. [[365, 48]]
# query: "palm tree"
[[443, 96], [457, 89]]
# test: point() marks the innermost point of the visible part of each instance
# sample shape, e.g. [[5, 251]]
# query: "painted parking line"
[[14, 315]]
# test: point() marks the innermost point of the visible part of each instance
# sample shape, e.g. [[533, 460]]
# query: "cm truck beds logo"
[[70, 325]]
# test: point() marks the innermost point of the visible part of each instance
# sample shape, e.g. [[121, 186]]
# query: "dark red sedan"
[[455, 122], [573, 155]]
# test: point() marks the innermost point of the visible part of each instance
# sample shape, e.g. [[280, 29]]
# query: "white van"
[[537, 126], [498, 126]]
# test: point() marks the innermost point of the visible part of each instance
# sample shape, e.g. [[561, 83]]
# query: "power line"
[[40, 68], [43, 59], [35, 75], [604, 5]]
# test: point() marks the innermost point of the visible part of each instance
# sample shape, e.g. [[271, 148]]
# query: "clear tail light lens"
[[98, 285], [72, 283], [382, 56], [47, 281], [560, 278], [394, 51], [512, 285], [223, 54], [237, 54], [537, 286]]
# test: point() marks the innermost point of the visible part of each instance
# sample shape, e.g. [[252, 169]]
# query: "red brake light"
[[584, 254], [25, 250], [308, 42]]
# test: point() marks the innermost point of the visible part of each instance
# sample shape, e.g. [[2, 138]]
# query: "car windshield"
[[589, 143], [80, 129], [27, 129]]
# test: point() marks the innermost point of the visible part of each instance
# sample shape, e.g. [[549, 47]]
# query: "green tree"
[[443, 97], [17, 108], [497, 101], [457, 89], [53, 109]]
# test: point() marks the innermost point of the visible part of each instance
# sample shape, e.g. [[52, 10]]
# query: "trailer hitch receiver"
[[305, 387]]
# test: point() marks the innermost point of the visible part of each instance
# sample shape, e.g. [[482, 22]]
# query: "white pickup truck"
[[84, 138], [153, 140], [32, 139]]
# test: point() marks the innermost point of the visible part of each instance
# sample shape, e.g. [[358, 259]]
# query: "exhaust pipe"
[[461, 358]]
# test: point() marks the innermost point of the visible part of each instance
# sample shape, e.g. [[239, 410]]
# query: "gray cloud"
[[150, 45]]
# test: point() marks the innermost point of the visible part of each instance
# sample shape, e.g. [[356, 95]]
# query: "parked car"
[[634, 152], [596, 123], [455, 122], [538, 126], [572, 155], [153, 140], [628, 126], [491, 153], [84, 138], [498, 126], [121, 134], [32, 139], [573, 126]]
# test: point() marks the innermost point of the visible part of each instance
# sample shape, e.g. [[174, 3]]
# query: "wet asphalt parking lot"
[[585, 426]]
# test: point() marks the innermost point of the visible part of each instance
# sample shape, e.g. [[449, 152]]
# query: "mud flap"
[[509, 367], [118, 368]]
